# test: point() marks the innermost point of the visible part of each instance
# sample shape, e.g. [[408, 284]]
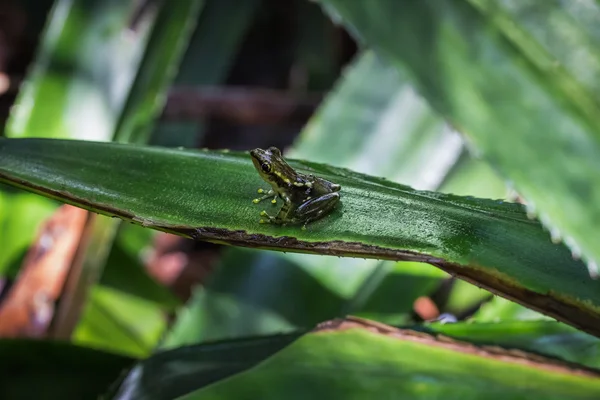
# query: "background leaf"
[[397, 363]]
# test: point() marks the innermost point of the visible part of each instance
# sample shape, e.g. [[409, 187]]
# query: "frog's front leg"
[[268, 195], [316, 208]]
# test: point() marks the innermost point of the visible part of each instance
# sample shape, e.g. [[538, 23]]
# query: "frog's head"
[[271, 166]]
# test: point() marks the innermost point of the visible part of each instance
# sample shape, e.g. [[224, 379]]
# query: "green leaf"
[[166, 45], [35, 369], [560, 39], [316, 50], [221, 28], [545, 337], [173, 373], [207, 195], [352, 360], [529, 117], [73, 81], [118, 322]]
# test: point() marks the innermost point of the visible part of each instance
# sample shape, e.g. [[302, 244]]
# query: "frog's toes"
[[256, 201], [274, 201], [263, 213], [260, 191]]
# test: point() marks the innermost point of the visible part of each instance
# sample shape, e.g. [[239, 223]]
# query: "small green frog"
[[305, 197]]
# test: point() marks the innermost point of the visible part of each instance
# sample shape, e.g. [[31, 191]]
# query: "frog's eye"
[[266, 167]]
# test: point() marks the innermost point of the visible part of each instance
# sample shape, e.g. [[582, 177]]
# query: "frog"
[[305, 197]]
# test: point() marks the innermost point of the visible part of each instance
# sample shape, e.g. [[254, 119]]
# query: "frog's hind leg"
[[317, 208], [334, 187], [283, 217]]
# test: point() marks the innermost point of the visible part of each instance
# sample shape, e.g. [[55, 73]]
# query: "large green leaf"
[[520, 106], [207, 195], [72, 81], [361, 361], [560, 38]]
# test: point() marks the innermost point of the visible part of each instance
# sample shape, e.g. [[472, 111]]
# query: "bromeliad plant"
[[497, 90]]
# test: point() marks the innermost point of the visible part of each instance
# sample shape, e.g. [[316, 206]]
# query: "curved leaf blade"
[[207, 195], [359, 360], [173, 373]]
